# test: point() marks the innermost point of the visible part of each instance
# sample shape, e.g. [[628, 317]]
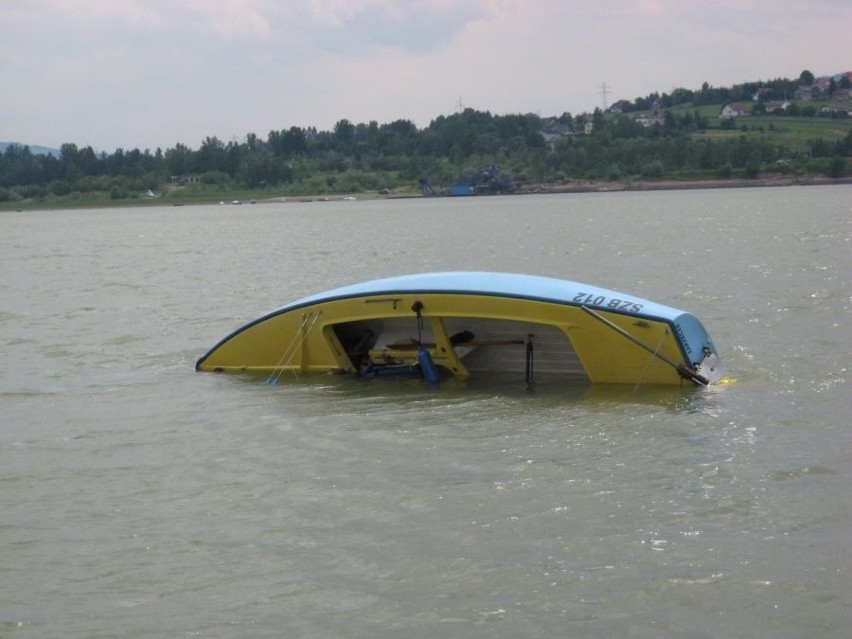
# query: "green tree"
[[212, 156], [344, 136], [177, 160], [295, 142], [70, 157]]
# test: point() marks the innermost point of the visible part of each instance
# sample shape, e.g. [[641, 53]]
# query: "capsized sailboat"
[[474, 323]]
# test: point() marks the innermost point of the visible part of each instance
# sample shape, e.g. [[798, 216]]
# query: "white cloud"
[[357, 28], [233, 18]]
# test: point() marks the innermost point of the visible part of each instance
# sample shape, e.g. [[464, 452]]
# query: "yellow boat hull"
[[605, 341]]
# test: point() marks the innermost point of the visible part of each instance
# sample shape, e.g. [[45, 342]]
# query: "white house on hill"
[[734, 110]]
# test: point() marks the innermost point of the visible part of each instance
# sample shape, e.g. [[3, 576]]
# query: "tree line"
[[362, 157]]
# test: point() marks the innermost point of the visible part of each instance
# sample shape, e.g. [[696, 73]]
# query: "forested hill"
[[798, 127]]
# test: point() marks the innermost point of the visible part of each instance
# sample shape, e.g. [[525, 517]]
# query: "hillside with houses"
[[808, 97]]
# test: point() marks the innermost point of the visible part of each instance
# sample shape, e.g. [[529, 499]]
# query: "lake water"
[[142, 499]]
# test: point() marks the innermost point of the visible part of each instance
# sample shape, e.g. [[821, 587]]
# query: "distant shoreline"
[[596, 187], [607, 187], [675, 185], [626, 186]]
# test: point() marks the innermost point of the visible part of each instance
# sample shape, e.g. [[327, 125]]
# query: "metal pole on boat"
[[680, 368], [530, 360], [424, 359]]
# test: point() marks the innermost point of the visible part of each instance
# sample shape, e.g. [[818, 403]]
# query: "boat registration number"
[[590, 299]]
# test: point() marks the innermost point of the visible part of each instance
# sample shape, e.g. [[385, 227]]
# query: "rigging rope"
[[651, 361], [286, 357]]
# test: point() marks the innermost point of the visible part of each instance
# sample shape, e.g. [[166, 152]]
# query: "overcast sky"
[[154, 73]]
